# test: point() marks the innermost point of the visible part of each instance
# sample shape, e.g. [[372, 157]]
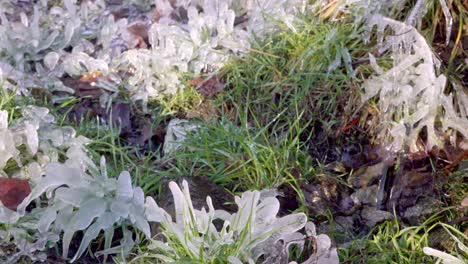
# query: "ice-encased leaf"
[[105, 221], [46, 220], [310, 229], [140, 222], [32, 140], [246, 205], [69, 196], [3, 119], [56, 175], [267, 210], [89, 210], [154, 213], [444, 257], [77, 64], [120, 207], [51, 60], [81, 219], [179, 202], [138, 198], [124, 185]]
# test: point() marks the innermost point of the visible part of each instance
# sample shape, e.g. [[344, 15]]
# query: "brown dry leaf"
[[82, 88], [139, 30], [91, 77], [205, 111], [156, 16], [13, 192], [366, 176], [464, 203], [121, 115], [408, 187], [120, 13], [456, 161], [196, 81], [208, 87]]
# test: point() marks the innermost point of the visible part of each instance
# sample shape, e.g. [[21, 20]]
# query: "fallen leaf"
[[208, 87], [140, 31], [82, 88], [464, 203], [408, 187], [91, 77], [367, 175], [13, 192], [121, 115]]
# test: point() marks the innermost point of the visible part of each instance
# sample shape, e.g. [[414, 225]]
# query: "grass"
[[242, 157], [390, 242], [297, 75]]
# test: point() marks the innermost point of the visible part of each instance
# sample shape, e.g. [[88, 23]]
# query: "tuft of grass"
[[261, 86], [181, 103], [242, 157]]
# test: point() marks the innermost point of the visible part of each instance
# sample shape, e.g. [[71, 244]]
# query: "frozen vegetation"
[[149, 54]]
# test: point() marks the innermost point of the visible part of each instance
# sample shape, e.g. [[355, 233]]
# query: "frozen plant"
[[27, 146], [89, 203], [68, 197], [411, 93], [71, 199], [176, 134], [41, 42], [254, 232], [33, 42], [42, 139]]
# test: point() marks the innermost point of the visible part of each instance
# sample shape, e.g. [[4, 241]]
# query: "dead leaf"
[[408, 187], [13, 192], [456, 161], [120, 13], [208, 87], [464, 203], [205, 111], [91, 77], [367, 175], [82, 88], [120, 115], [139, 30], [156, 16]]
